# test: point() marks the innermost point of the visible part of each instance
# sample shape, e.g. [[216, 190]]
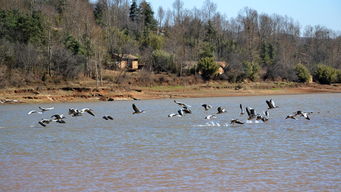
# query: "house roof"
[[126, 56]]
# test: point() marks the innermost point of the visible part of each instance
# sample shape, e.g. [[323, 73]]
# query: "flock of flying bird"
[[185, 109]]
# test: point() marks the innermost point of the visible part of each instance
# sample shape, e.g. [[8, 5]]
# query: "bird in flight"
[[136, 110]]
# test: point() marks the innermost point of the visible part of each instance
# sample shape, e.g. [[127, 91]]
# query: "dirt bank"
[[43, 94]]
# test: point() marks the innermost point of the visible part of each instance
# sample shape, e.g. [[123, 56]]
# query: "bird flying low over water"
[[266, 116], [299, 114], [182, 104], [90, 111], [41, 110], [46, 108], [206, 106], [221, 110], [251, 113], [58, 116], [237, 121], [174, 115], [136, 110], [34, 111], [76, 112], [271, 104], [107, 117], [43, 122], [303, 114]]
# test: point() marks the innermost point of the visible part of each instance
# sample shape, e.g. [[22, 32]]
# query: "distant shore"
[[60, 94]]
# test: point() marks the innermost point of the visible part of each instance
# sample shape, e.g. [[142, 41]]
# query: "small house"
[[127, 61]]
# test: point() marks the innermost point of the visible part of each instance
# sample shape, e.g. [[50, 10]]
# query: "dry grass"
[[145, 85]]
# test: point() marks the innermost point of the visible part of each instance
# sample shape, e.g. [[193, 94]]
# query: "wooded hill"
[[54, 40]]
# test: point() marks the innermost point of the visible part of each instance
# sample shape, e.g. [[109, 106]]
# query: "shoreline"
[[66, 94]]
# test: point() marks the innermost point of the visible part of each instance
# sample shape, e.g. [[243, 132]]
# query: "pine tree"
[[133, 11]]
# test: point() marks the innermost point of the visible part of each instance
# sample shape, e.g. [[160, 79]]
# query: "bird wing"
[[60, 121], [42, 124], [268, 103], [248, 111], [30, 112], [272, 103], [136, 110], [56, 116], [90, 112], [46, 108], [239, 122], [181, 104], [187, 110], [266, 113]]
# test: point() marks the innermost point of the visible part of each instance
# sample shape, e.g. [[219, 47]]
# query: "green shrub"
[[162, 61], [207, 67], [251, 70], [338, 76], [302, 73], [325, 74]]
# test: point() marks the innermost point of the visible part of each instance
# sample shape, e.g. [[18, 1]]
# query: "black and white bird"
[[76, 112], [236, 121], [304, 114], [43, 109], [299, 114], [107, 117], [206, 106], [58, 116], [43, 122], [221, 110], [90, 111], [174, 115], [136, 110], [266, 116], [271, 104], [34, 111], [182, 104], [251, 113]]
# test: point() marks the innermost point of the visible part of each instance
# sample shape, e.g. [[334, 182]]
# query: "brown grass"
[[128, 86]]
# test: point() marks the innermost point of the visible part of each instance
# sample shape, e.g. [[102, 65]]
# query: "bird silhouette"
[[136, 110]]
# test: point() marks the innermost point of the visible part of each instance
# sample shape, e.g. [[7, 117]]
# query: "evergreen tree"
[[147, 14], [134, 11]]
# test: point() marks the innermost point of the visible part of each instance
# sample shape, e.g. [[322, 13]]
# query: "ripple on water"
[[151, 152]]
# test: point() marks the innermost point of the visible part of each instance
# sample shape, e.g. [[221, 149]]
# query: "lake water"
[[152, 152]]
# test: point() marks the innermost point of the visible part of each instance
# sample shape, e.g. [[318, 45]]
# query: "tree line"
[[54, 40]]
